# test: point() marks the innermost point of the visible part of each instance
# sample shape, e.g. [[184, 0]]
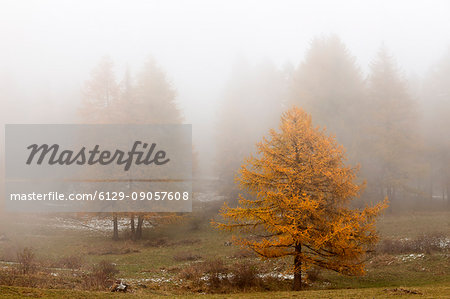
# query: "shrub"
[[27, 260], [209, 275], [216, 271], [244, 275], [102, 275], [193, 275], [215, 276]]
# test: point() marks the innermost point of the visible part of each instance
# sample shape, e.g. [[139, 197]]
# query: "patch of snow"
[[91, 224], [277, 275], [411, 257]]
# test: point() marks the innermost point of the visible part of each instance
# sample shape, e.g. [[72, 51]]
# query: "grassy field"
[[435, 291], [152, 265]]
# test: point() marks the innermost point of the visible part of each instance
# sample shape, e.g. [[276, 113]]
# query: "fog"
[[196, 41], [49, 48], [320, 143]]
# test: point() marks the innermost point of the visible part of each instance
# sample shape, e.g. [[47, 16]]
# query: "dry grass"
[[170, 253]]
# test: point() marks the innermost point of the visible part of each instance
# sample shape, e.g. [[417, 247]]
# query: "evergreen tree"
[[329, 84], [100, 93], [151, 101], [392, 141], [155, 98]]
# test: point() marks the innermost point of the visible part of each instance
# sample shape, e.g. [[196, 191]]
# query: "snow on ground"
[[444, 243], [92, 223], [411, 257], [104, 224]]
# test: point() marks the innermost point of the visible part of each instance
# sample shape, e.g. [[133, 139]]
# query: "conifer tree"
[[100, 94], [300, 191], [101, 91], [155, 98], [391, 136], [150, 101], [329, 85]]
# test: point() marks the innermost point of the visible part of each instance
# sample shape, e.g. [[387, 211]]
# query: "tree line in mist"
[[395, 129], [396, 132]]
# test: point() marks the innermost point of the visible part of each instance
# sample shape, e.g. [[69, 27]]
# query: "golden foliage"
[[299, 190]]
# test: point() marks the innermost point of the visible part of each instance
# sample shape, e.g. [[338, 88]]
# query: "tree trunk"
[[116, 228], [133, 229], [139, 227], [297, 285]]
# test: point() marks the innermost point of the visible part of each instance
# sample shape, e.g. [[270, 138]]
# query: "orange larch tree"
[[299, 193]]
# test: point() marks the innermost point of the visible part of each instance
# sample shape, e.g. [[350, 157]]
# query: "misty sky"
[[51, 46]]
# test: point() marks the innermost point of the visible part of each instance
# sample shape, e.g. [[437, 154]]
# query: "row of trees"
[[151, 99], [148, 100], [397, 133]]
